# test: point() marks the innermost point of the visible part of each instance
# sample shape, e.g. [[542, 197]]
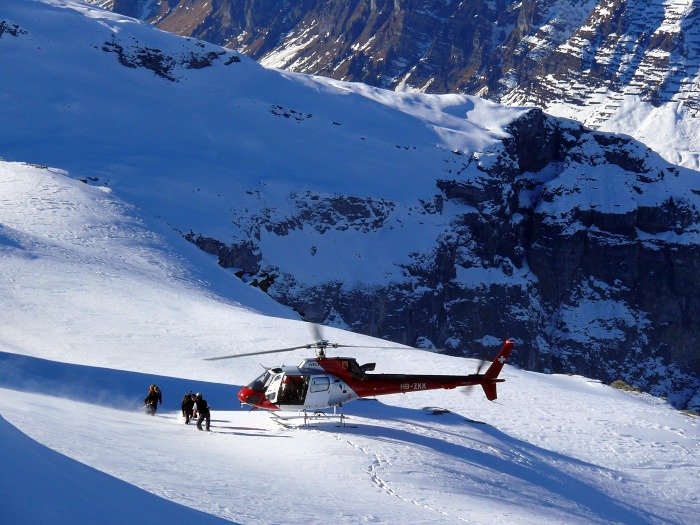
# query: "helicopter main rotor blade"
[[367, 346], [276, 351], [316, 329], [320, 343]]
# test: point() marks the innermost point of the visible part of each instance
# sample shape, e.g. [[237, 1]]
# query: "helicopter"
[[329, 382]]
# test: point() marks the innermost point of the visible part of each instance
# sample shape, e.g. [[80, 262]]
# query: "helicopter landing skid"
[[305, 418]]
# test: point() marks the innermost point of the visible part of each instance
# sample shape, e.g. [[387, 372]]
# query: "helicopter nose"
[[250, 396]]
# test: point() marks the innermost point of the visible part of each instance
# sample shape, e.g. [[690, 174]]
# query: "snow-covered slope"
[[42, 486], [211, 143], [208, 140], [99, 302], [165, 117]]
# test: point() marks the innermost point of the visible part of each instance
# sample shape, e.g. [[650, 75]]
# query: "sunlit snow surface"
[[90, 320]]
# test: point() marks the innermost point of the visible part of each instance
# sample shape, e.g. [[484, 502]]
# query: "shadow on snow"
[[563, 477], [105, 386]]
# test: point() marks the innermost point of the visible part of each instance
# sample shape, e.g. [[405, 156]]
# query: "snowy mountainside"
[[118, 253], [96, 312], [422, 219]]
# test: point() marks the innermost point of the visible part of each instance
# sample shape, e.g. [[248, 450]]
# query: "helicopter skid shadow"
[[251, 429], [250, 434]]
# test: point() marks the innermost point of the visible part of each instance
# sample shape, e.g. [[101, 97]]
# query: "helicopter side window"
[[319, 384]]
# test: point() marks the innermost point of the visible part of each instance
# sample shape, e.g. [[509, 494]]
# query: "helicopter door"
[[318, 393], [292, 390], [271, 394]]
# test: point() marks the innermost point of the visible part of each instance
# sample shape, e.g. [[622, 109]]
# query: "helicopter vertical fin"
[[501, 358], [495, 369]]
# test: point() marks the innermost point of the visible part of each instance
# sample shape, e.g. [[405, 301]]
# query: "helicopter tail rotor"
[[482, 363], [467, 390]]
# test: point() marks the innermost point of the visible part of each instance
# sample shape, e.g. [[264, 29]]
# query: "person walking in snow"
[[202, 411], [188, 407], [152, 399]]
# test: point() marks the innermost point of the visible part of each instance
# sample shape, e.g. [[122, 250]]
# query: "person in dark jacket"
[[202, 411], [152, 399], [188, 407]]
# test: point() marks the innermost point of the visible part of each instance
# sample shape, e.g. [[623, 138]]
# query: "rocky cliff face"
[[571, 240], [534, 51], [427, 45]]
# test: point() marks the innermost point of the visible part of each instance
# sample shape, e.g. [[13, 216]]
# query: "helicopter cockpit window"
[[261, 383], [319, 384]]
